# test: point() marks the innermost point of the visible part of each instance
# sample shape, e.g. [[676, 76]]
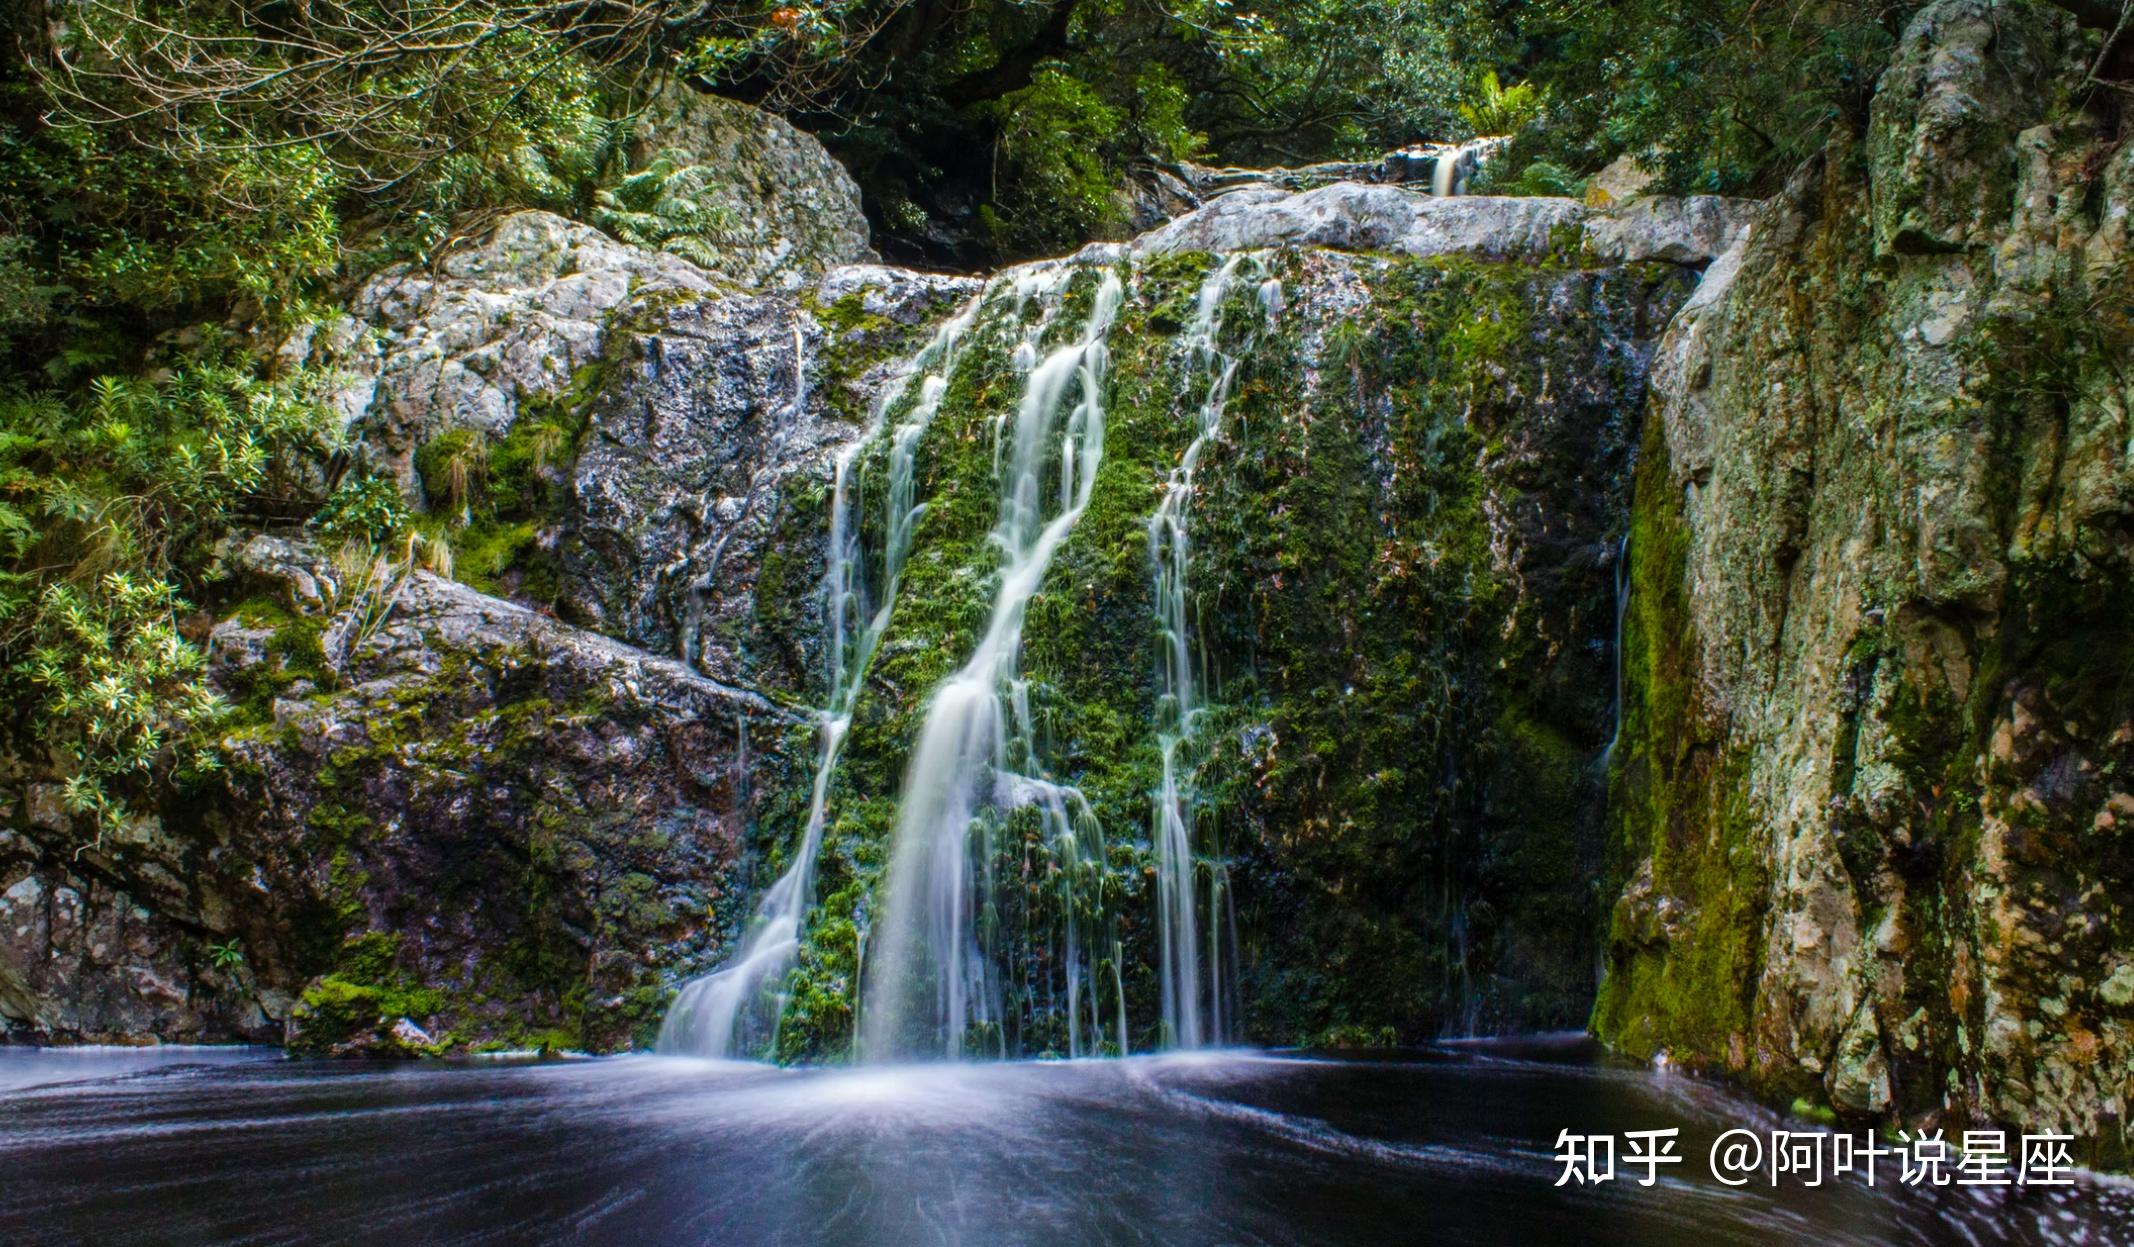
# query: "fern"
[[1498, 109], [664, 206]]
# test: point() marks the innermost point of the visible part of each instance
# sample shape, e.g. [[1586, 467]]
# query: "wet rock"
[[492, 828], [85, 959], [1353, 216], [1881, 572]]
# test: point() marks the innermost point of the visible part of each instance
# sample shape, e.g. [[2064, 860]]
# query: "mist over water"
[[1444, 1146]]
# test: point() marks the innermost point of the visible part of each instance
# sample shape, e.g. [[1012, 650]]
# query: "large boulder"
[[753, 200], [462, 823], [518, 310], [685, 418], [1942, 165]]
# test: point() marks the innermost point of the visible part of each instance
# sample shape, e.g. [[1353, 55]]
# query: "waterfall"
[[1194, 1007], [931, 980], [1622, 607], [734, 1010]]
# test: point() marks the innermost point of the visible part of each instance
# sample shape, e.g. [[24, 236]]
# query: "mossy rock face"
[[1408, 592], [483, 829], [1400, 783], [1866, 811]]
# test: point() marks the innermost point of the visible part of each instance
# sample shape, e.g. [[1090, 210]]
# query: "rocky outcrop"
[[466, 816], [451, 818], [1356, 216], [512, 810], [1872, 789], [114, 944], [1445, 168], [664, 419], [446, 821]]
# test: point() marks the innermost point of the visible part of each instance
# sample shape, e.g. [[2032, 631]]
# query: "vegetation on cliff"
[[1852, 834]]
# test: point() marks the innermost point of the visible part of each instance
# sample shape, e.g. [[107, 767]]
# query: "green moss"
[[1404, 776], [1676, 801], [295, 658], [1813, 1111], [362, 1000], [498, 499], [1386, 773], [454, 468]]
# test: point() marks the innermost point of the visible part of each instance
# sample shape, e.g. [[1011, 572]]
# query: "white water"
[[934, 981], [734, 1010], [1456, 166], [1196, 1007]]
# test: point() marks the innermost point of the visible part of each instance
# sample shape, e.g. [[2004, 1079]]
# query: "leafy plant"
[[109, 505], [665, 206], [366, 511], [226, 955], [1539, 177], [1498, 109], [1053, 138], [116, 692]]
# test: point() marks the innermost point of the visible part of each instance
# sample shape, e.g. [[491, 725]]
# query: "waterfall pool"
[[1450, 1145]]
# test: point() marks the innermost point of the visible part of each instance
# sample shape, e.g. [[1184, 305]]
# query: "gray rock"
[[717, 419], [780, 211], [1694, 229], [87, 955], [1891, 507], [510, 314], [706, 408], [1623, 180], [1354, 216]]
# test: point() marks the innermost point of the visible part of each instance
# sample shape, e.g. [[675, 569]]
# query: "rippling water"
[[206, 1146]]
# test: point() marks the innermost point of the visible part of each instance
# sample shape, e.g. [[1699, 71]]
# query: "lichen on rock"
[[1878, 627]]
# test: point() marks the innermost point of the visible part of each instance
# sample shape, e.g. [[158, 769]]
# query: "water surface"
[[190, 1146]]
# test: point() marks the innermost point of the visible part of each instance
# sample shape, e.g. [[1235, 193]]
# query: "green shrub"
[[365, 509], [109, 509]]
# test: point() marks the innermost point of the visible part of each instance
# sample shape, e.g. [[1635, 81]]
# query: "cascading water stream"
[[1194, 1006], [1622, 608], [935, 980], [734, 1010]]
